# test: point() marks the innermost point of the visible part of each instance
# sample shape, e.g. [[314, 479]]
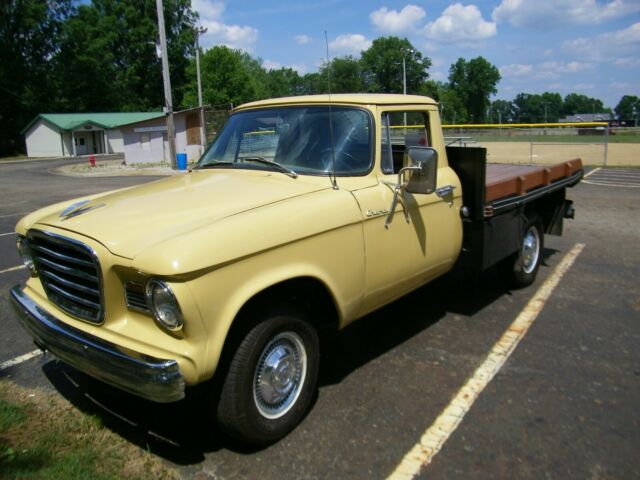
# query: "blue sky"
[[584, 46]]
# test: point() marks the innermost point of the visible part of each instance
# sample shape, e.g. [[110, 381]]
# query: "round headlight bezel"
[[153, 286], [25, 254]]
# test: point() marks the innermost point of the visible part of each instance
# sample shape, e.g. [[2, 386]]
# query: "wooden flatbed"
[[503, 180], [499, 199]]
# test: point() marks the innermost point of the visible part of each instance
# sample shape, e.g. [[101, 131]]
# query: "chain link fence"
[[595, 143]]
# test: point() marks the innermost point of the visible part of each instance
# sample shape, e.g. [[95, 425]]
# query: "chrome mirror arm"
[[398, 190]]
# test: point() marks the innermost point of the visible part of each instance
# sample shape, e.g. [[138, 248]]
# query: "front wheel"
[[521, 268], [271, 380]]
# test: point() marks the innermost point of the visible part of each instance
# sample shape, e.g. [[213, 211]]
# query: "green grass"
[[42, 437]]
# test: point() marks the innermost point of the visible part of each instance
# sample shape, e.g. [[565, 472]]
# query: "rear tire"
[[271, 379], [521, 268]]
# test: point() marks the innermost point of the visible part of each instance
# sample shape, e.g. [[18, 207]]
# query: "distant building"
[[146, 140], [587, 117], [73, 134]]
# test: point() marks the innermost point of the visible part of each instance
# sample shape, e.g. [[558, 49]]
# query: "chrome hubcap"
[[530, 249], [279, 375]]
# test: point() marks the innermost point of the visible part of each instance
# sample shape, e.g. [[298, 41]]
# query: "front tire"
[[521, 268], [271, 379]]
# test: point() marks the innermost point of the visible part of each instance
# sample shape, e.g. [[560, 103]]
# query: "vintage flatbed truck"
[[303, 215]]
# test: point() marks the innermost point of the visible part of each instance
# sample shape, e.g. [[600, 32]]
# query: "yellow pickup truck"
[[304, 214]]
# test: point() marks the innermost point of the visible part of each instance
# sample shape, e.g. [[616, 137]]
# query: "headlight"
[[163, 304], [25, 253]]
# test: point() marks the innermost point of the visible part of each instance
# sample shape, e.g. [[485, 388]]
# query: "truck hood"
[[131, 220]]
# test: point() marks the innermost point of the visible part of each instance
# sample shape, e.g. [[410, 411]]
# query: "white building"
[[146, 140], [73, 134]]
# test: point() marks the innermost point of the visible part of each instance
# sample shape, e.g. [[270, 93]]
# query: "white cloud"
[[275, 65], [627, 62], [437, 62], [585, 86], [571, 67], [623, 86], [271, 65], [397, 22], [219, 33], [302, 39], [301, 68], [550, 14], [543, 71], [604, 46], [460, 24], [516, 70], [439, 76], [207, 9], [350, 43]]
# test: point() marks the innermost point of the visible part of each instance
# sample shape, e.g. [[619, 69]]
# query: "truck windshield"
[[297, 138]]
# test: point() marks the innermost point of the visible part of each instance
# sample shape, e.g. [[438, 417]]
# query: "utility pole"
[[404, 80], [203, 126], [171, 131]]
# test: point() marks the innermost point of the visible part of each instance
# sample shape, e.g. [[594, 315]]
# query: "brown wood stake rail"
[[507, 180]]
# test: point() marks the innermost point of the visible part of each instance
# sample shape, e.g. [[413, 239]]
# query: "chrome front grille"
[[70, 274]]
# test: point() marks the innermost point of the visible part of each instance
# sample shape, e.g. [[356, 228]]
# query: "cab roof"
[[343, 98]]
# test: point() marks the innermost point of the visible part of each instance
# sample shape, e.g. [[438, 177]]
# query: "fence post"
[[606, 143], [531, 146]]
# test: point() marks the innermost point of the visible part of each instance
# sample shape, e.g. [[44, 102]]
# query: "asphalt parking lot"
[[564, 405]]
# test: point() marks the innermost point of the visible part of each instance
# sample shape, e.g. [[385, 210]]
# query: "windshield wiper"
[[279, 166], [214, 165]]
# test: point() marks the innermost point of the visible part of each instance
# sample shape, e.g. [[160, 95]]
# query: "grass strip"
[[43, 436]]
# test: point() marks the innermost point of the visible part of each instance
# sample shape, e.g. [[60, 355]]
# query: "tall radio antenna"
[[333, 149]]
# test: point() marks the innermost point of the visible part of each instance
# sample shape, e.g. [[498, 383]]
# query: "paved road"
[[564, 405]]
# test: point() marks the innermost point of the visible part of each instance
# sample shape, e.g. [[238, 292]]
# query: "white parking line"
[[437, 434], [20, 359], [5, 234], [609, 184], [12, 269], [592, 172]]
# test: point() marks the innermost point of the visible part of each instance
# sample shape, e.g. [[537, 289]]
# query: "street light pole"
[[404, 76], [404, 79], [171, 131], [203, 127]]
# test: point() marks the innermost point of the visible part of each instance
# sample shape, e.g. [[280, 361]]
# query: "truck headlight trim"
[[25, 254], [163, 304]]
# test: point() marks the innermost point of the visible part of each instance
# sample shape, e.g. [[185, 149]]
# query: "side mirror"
[[423, 170]]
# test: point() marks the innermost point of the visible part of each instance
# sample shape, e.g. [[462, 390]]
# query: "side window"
[[401, 130]]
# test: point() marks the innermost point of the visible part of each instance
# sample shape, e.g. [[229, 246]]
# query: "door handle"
[[445, 191]]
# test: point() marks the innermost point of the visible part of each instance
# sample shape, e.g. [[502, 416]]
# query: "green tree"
[[532, 108], [474, 81], [628, 107], [108, 61], [284, 82], [433, 89], [227, 77], [29, 35], [502, 111], [382, 66], [346, 75], [575, 103]]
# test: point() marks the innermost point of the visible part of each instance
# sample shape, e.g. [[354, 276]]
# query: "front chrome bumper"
[[152, 378]]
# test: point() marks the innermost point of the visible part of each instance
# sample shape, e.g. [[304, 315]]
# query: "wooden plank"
[[507, 180]]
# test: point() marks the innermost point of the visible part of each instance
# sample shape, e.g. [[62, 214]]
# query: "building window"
[[145, 141]]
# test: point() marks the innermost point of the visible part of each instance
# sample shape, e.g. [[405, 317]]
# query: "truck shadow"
[[178, 433]]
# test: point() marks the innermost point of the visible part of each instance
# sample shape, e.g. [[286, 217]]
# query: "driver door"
[[419, 242]]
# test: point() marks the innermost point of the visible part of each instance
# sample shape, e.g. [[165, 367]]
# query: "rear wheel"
[[271, 380], [521, 268]]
